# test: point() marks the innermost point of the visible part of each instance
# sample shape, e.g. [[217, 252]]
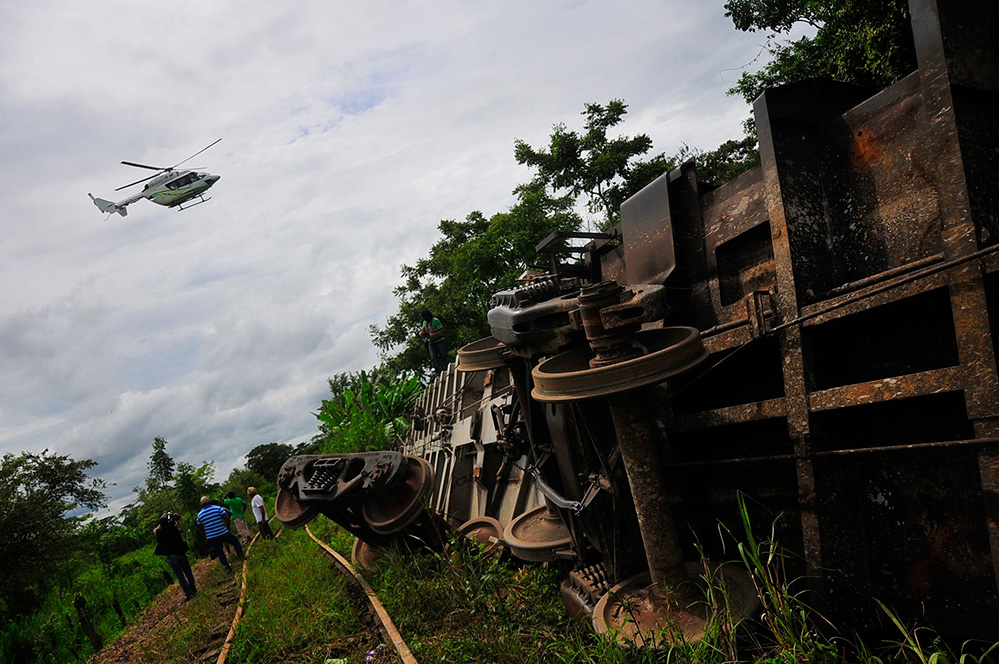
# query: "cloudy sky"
[[349, 130]]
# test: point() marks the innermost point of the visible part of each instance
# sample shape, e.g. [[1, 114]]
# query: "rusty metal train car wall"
[[816, 335]]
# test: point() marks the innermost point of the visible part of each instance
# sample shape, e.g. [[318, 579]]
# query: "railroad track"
[[382, 619]]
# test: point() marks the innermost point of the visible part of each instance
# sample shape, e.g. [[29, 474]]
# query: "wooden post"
[[88, 627], [116, 605]]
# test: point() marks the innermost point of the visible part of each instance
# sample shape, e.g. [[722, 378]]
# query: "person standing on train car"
[[433, 332]]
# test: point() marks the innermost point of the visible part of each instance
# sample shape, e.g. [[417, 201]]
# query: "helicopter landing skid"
[[203, 200]]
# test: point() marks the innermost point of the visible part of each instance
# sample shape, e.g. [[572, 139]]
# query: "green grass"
[[298, 608], [473, 607], [53, 632], [464, 606]]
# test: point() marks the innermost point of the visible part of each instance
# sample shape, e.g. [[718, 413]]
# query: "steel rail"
[[381, 615], [239, 607]]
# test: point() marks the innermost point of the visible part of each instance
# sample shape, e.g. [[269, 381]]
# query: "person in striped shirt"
[[213, 526]]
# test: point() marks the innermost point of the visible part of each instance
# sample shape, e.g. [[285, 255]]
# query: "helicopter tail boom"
[[108, 206]]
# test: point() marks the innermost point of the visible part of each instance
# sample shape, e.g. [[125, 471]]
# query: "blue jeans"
[[181, 566], [216, 543], [438, 354]]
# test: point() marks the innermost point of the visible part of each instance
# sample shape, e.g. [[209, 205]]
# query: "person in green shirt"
[[433, 332], [236, 505]]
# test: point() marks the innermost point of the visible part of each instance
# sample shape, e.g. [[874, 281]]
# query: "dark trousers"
[[219, 550], [181, 566], [265, 530], [438, 354]]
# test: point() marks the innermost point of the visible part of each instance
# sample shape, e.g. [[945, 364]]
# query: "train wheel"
[[364, 554], [390, 510], [290, 511], [484, 530], [481, 355], [665, 352], [537, 535], [640, 614]]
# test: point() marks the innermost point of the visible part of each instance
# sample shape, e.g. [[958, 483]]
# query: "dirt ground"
[[168, 611]]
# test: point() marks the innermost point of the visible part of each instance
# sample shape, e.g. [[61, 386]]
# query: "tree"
[[41, 493], [192, 483], [602, 168], [473, 259], [266, 460], [241, 478], [160, 464], [865, 42]]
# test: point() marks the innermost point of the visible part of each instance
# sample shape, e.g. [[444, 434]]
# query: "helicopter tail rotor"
[[108, 206]]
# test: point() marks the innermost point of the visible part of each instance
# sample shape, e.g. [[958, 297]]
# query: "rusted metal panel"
[[883, 206], [760, 410], [887, 389], [738, 245], [647, 234]]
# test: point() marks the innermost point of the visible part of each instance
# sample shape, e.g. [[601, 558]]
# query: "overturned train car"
[[815, 335]]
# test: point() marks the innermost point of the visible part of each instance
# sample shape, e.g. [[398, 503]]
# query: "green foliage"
[[241, 478], [366, 412], [728, 160], [191, 633], [468, 605], [160, 464], [266, 460], [592, 163], [190, 484], [40, 493], [865, 42], [109, 538], [787, 617], [131, 581], [473, 259], [923, 645]]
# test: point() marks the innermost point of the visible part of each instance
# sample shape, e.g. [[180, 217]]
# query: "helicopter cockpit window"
[[182, 181]]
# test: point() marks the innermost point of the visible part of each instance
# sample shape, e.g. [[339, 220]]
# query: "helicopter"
[[168, 187]]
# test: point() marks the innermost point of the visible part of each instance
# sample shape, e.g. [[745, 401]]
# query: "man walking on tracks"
[[213, 526], [260, 513], [236, 505], [170, 543]]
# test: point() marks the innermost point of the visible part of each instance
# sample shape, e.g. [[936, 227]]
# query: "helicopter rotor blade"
[[193, 155], [137, 182], [152, 168]]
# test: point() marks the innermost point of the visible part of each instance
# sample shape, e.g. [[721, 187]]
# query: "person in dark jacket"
[[171, 544]]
